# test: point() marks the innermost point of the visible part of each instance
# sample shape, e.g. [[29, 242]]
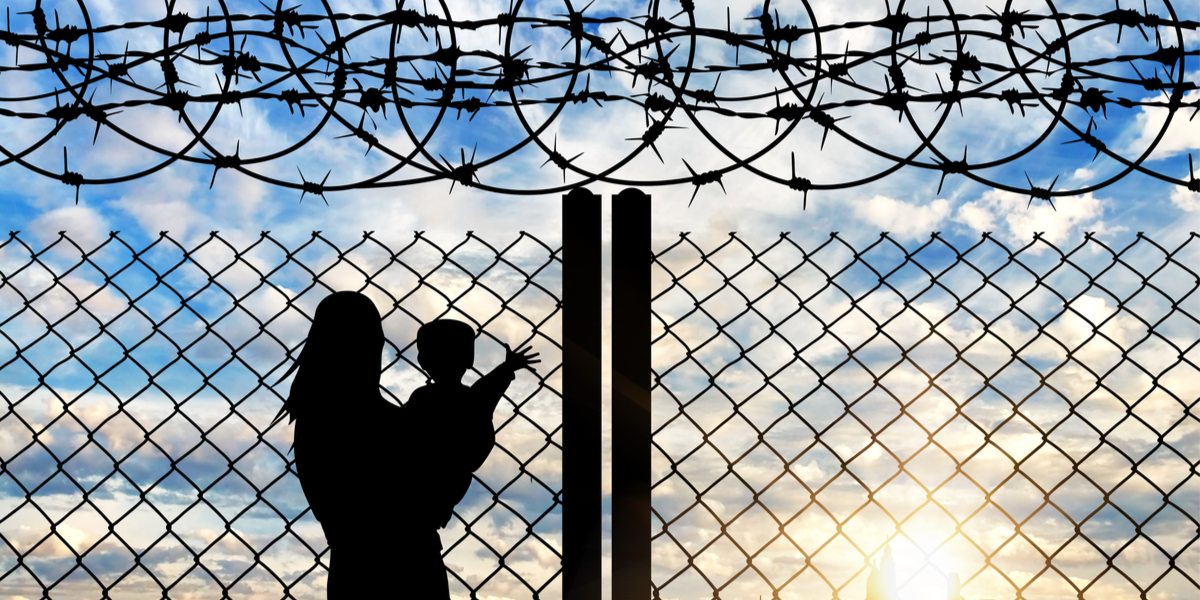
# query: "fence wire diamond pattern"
[[1020, 421], [136, 454]]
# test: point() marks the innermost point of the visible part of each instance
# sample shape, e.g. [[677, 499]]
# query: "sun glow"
[[926, 585], [907, 574]]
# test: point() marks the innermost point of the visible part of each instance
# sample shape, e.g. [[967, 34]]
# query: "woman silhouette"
[[341, 423]]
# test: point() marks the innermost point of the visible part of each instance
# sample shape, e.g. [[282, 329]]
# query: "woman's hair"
[[340, 356]]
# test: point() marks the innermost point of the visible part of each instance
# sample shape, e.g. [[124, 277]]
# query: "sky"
[[907, 204]]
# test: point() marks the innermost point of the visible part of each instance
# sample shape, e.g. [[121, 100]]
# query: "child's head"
[[446, 349]]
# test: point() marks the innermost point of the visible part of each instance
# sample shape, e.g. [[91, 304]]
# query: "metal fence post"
[[631, 396], [582, 533]]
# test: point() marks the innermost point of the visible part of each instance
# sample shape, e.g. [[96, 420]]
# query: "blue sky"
[[907, 204]]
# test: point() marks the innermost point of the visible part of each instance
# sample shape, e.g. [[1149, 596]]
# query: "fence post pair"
[[630, 395]]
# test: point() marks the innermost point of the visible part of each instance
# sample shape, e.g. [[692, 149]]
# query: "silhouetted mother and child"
[[381, 478]]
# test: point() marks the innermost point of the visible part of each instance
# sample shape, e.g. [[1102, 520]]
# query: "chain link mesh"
[[137, 458], [1022, 421]]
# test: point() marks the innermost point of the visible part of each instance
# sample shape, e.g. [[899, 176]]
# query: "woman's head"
[[341, 354], [346, 328]]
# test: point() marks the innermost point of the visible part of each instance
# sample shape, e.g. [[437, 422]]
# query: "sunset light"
[[350, 299]]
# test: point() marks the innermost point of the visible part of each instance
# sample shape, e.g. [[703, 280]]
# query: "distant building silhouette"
[[953, 588], [881, 583]]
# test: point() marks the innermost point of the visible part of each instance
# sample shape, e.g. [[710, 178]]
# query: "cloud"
[[906, 220], [162, 203], [1183, 135], [1185, 199], [1012, 217], [86, 226]]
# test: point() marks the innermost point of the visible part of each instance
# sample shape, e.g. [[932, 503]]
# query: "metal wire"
[[800, 393], [189, 354], [332, 76]]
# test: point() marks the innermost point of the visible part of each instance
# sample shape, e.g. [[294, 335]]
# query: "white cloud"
[[906, 220], [86, 226], [1012, 217], [1183, 135], [1185, 199], [162, 203], [976, 217]]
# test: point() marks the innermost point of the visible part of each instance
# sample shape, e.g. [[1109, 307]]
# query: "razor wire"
[[814, 407], [311, 61], [167, 345]]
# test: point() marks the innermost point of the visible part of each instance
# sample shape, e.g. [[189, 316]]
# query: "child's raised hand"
[[520, 359]]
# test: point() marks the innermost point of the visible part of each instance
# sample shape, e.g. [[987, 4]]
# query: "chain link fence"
[[136, 454], [1005, 422]]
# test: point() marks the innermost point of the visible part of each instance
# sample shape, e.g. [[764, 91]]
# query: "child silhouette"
[[439, 466]]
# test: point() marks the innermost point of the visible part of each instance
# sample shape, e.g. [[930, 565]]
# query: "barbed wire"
[[90, 334], [315, 71], [770, 340]]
